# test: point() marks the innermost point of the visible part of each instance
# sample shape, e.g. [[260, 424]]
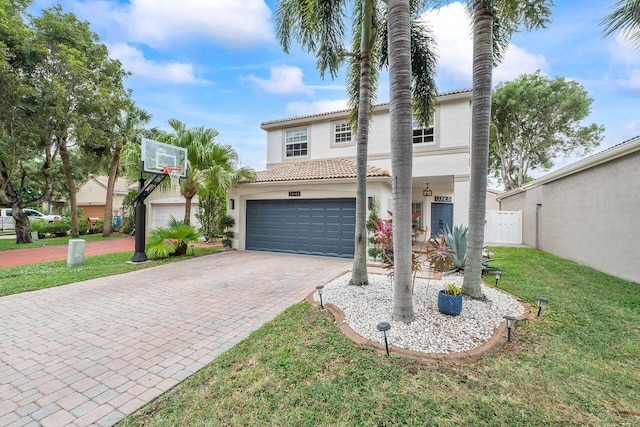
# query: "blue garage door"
[[304, 226]]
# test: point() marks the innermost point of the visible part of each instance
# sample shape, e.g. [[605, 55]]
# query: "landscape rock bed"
[[431, 331]]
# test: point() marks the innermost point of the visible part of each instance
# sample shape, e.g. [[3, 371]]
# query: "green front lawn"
[[31, 277], [579, 364]]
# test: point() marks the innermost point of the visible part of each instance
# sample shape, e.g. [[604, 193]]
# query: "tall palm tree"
[[210, 166], [624, 19], [320, 27], [399, 36], [494, 21], [131, 126]]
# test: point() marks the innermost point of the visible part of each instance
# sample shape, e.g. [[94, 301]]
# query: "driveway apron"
[[92, 352]]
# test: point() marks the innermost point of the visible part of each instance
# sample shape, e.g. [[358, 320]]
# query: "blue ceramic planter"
[[449, 304]]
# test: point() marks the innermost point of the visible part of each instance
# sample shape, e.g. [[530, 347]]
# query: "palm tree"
[[319, 27], [494, 21], [211, 167], [130, 128], [624, 19], [400, 110]]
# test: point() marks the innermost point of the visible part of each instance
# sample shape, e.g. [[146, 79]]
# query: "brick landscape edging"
[[493, 345]]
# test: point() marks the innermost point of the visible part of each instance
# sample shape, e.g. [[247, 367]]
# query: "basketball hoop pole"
[[141, 214]]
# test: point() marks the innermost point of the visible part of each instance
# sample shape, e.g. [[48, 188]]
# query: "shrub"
[[457, 242], [38, 225], [83, 226], [59, 227], [172, 240]]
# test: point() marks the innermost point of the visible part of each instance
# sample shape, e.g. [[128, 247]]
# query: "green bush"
[[59, 227], [39, 225], [83, 226]]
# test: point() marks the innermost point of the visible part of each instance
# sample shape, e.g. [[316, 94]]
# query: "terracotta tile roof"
[[345, 112], [316, 169]]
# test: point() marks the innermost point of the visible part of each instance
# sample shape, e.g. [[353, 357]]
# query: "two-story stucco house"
[[305, 201]]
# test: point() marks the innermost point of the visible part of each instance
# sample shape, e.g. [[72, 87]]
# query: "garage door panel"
[[305, 226]]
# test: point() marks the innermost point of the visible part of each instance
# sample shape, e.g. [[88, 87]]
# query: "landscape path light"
[[498, 276], [541, 303], [511, 321], [319, 289], [384, 327]]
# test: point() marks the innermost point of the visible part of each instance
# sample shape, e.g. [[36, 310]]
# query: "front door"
[[441, 218]]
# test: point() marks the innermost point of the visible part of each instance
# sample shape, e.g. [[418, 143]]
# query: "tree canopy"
[[535, 120]]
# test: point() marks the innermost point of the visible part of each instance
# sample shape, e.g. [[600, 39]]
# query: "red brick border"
[[493, 345]]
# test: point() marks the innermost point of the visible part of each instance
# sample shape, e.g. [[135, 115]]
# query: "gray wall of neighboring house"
[[590, 216]]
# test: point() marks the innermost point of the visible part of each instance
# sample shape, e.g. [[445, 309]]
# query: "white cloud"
[[163, 23], [295, 109], [133, 60], [624, 64], [451, 26], [283, 80]]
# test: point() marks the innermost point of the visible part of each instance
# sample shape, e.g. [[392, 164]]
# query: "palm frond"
[[624, 19]]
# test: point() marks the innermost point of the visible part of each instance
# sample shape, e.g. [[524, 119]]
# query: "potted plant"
[[450, 300]]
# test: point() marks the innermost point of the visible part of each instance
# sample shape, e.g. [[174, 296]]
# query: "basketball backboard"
[[156, 155]]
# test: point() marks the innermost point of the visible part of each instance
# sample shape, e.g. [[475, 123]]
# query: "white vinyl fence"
[[503, 227]]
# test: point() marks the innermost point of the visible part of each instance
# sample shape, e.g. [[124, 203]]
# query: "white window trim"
[[423, 129], [334, 135], [285, 143]]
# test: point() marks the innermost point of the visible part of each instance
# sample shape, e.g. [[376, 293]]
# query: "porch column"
[[461, 199]]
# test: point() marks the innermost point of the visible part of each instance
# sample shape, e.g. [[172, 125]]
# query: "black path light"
[[384, 327], [511, 321], [498, 276], [541, 303], [319, 289]]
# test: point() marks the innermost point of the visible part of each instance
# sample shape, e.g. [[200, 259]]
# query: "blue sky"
[[216, 63]]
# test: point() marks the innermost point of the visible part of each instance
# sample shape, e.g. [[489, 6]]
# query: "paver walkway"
[[92, 352]]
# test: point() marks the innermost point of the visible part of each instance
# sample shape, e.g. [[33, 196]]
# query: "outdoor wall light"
[[384, 327], [232, 203], [320, 289], [427, 192], [541, 303], [498, 276], [511, 321]]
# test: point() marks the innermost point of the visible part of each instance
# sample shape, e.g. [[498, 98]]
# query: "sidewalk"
[[15, 257]]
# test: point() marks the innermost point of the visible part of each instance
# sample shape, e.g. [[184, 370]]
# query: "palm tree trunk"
[[111, 183], [359, 274], [401, 154], [187, 209], [482, 74]]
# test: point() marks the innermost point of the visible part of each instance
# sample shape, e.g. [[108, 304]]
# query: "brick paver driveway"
[[92, 352]]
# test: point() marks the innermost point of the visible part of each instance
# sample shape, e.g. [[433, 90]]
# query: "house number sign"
[[294, 194], [446, 199]]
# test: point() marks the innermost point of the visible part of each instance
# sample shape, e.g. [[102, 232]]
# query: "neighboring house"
[[162, 205], [587, 212], [92, 195], [305, 201], [492, 202]]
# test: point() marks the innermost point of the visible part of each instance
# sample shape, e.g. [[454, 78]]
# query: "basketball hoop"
[[174, 172]]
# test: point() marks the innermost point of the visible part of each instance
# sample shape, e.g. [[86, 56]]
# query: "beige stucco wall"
[[92, 196], [591, 217]]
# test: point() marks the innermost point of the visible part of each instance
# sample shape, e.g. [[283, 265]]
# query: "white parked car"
[[7, 222]]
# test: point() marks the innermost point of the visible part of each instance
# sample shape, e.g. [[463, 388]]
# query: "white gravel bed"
[[431, 331]]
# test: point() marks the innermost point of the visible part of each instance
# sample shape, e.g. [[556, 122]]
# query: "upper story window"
[[421, 134], [296, 142], [341, 133]]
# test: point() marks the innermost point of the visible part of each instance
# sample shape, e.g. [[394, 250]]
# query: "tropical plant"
[[452, 289], [129, 212], [494, 21], [457, 241], [320, 27], [624, 19], [172, 240], [439, 255], [227, 222]]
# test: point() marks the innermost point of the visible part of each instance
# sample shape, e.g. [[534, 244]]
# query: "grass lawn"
[[8, 244], [31, 277], [579, 364]]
